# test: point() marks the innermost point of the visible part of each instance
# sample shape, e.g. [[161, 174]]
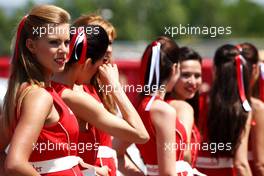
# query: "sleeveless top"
[[59, 139], [103, 138], [149, 150]]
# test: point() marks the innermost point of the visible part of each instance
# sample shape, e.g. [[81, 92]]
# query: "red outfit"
[[103, 138], [58, 139], [86, 138], [194, 141], [148, 150]]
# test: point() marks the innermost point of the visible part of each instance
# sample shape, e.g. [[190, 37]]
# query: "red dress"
[[148, 150], [106, 155], [88, 141], [195, 140], [205, 162], [59, 140]]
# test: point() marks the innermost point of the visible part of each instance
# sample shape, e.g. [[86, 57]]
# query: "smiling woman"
[[34, 115]]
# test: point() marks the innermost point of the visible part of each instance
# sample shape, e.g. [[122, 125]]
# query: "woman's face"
[[51, 49], [190, 79]]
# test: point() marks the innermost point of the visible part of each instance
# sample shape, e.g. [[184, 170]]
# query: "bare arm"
[[257, 139], [35, 108], [109, 75], [85, 107], [163, 118], [125, 165], [241, 157]]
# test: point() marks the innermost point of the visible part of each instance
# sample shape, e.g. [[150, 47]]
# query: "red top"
[[87, 139], [149, 150], [194, 141], [103, 138], [59, 137]]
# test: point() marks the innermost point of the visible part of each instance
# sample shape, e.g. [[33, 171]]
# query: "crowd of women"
[[57, 121]]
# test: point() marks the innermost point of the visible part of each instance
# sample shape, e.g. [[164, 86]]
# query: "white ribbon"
[[245, 103], [79, 39], [155, 65]]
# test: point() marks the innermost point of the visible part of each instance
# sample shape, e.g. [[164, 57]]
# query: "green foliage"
[[144, 20]]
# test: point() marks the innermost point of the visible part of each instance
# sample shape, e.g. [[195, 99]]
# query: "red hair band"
[[79, 37], [20, 27], [240, 82]]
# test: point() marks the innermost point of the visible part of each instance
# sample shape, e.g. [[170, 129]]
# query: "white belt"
[[89, 172], [213, 163], [106, 152], [56, 165], [181, 166]]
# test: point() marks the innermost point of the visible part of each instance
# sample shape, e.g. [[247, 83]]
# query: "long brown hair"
[[24, 66], [227, 117]]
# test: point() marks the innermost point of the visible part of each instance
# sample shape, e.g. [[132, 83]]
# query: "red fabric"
[[181, 137], [148, 150], [56, 135], [195, 140], [203, 109], [103, 138], [87, 138]]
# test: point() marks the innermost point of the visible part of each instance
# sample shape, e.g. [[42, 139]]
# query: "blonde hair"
[[24, 66], [94, 19]]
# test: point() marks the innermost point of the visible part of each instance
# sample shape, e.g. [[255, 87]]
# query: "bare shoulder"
[[160, 111], [73, 95], [161, 107], [37, 98], [257, 104], [182, 106], [38, 94], [258, 110]]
